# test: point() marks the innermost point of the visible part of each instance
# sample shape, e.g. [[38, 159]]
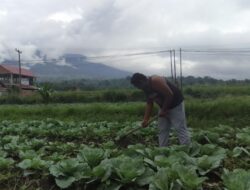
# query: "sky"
[[214, 35]]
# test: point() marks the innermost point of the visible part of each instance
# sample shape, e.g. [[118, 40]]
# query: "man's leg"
[[164, 130], [178, 121]]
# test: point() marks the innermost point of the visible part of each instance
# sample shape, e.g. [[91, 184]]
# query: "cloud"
[[65, 17], [3, 13], [123, 26]]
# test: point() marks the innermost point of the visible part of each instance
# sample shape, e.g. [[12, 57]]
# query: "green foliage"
[[207, 91], [120, 94], [71, 155], [92, 156], [177, 177], [69, 171], [34, 163], [113, 96], [6, 163], [164, 180], [188, 177], [243, 138], [89, 84], [237, 179], [14, 90], [239, 151], [207, 163], [77, 112], [227, 111], [128, 169], [104, 170], [46, 91]]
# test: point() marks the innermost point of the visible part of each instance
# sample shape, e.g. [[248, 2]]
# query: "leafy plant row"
[[51, 154]]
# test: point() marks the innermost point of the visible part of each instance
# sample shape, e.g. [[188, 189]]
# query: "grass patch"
[[200, 113], [77, 112]]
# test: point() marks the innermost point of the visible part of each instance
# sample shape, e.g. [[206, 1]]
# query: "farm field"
[[200, 112], [52, 154], [73, 146]]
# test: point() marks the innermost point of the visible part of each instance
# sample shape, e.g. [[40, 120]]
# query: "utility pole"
[[171, 62], [19, 63], [181, 69], [175, 80]]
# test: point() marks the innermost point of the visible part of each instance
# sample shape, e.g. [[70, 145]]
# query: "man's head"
[[140, 81]]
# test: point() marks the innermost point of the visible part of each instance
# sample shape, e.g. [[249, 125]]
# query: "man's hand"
[[144, 123]]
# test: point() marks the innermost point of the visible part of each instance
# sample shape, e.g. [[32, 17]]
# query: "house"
[[3, 88], [9, 78]]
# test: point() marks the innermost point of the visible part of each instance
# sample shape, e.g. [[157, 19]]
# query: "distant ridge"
[[73, 66]]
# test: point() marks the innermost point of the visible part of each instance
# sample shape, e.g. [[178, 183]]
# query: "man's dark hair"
[[137, 78]]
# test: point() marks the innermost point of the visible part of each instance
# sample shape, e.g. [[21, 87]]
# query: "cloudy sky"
[[218, 28]]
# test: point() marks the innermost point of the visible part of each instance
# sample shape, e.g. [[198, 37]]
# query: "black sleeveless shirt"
[[153, 95]]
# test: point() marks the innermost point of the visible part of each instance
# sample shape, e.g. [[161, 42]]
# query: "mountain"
[[73, 66]]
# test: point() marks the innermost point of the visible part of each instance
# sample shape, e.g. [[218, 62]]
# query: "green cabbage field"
[[51, 154], [78, 148]]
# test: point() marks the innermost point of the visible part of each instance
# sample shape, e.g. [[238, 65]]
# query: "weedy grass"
[[204, 91], [232, 111], [78, 112]]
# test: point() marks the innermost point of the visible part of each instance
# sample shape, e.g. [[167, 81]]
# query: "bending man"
[[170, 100]]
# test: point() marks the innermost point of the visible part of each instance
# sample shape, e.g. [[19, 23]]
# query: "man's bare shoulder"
[[157, 79], [159, 84]]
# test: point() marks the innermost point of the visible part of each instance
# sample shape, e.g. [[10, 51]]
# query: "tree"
[[46, 91]]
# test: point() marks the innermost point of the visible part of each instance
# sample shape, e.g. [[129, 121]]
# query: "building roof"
[[15, 70]]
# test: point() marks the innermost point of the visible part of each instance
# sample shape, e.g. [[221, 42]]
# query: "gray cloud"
[[123, 26]]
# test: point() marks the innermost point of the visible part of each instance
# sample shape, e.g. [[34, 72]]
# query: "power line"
[[216, 51], [105, 56], [216, 54], [45, 60], [129, 54], [235, 52]]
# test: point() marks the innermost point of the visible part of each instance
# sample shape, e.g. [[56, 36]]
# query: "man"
[[170, 100]]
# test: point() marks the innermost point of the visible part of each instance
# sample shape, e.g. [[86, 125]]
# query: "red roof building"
[[15, 70], [9, 76]]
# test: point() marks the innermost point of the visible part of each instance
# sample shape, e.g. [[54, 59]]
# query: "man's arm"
[[159, 84], [148, 111]]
